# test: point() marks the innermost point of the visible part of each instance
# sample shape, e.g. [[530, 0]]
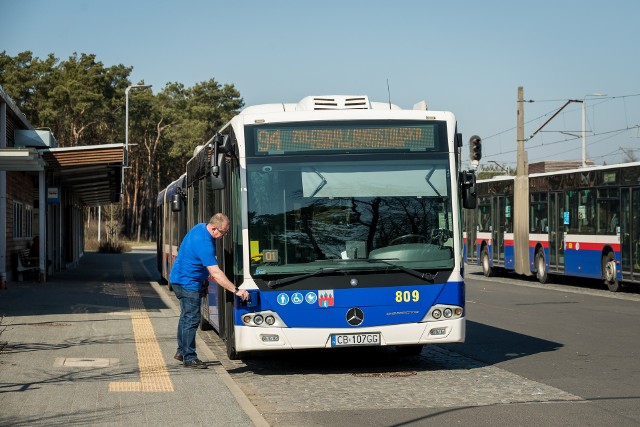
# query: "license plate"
[[348, 340]]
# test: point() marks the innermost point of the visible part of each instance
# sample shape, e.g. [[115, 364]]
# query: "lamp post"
[[126, 121], [584, 126]]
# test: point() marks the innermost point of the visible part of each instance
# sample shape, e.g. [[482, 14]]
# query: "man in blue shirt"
[[196, 261]]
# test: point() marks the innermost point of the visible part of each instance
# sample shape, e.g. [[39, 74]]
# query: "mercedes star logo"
[[355, 316]]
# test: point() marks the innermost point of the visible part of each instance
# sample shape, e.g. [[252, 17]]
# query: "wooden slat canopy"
[[94, 172]]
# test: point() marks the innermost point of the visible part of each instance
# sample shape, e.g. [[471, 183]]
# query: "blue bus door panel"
[[509, 254], [584, 259]]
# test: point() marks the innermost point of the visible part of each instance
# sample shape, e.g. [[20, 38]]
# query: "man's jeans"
[[189, 321]]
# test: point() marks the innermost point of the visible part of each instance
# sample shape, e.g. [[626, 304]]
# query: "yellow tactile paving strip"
[[154, 376]]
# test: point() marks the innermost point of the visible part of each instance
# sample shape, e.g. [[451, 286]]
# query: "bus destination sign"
[[287, 140]]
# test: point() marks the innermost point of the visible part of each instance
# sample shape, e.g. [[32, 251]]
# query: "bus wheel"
[[541, 268], [609, 272], [486, 263], [409, 350], [205, 325]]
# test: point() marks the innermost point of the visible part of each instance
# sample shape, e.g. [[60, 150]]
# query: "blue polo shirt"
[[196, 252]]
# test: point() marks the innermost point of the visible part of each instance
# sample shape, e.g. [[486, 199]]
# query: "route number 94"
[[407, 296]]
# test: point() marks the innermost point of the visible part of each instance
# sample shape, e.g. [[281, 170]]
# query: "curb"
[[242, 399]]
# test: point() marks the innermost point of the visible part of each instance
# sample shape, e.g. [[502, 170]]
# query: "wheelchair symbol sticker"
[[296, 298]]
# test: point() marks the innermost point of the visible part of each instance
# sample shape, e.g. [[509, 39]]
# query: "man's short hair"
[[219, 220]]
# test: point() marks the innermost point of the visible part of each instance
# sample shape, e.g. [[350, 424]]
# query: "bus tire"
[[409, 350], [609, 272], [487, 270], [205, 325], [230, 335], [541, 267]]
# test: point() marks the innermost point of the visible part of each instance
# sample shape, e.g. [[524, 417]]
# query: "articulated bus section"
[[582, 223]]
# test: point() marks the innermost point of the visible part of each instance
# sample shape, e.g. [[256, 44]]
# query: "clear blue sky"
[[467, 56]]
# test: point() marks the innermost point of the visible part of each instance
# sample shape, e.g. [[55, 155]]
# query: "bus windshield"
[[307, 214]]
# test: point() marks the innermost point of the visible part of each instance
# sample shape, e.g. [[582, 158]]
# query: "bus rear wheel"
[[487, 270], [609, 272], [541, 267]]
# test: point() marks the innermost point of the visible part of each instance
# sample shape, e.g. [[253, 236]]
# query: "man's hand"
[[242, 294]]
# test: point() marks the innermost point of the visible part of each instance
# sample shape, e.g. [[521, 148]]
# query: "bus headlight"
[[443, 312], [263, 319]]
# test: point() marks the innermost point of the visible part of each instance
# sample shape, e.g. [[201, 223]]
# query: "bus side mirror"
[[177, 200], [468, 189], [220, 145], [176, 203]]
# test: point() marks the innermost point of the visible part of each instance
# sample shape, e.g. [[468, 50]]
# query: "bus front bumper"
[[265, 338]]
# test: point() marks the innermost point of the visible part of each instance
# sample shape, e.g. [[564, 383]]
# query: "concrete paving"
[[95, 345]]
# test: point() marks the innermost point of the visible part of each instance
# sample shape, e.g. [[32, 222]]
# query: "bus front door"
[[556, 232], [630, 234], [497, 235]]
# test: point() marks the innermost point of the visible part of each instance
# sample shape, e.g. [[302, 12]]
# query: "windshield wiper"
[[275, 283], [424, 276], [279, 282]]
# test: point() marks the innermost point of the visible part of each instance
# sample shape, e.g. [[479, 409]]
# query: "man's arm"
[[221, 279]]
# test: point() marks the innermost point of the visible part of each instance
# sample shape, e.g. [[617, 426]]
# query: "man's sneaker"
[[178, 357], [195, 363]]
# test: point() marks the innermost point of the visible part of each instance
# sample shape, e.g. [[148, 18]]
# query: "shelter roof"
[[94, 172]]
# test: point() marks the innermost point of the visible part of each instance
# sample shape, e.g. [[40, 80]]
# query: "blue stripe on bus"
[[381, 306]]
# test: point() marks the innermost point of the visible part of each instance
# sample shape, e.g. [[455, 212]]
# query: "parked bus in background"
[[582, 222], [345, 225]]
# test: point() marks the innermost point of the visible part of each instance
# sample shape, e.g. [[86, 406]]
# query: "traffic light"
[[475, 148]]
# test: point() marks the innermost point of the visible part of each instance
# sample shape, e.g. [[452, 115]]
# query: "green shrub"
[[108, 247]]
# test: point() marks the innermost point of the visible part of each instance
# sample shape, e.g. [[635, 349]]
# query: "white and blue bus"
[[345, 225]]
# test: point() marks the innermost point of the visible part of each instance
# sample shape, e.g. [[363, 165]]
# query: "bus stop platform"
[[95, 346]]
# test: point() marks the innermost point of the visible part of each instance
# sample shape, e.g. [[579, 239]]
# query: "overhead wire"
[[601, 100]]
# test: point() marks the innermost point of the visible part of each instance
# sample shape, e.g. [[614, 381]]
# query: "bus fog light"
[[438, 331], [448, 313], [436, 314], [258, 319], [270, 320], [269, 338]]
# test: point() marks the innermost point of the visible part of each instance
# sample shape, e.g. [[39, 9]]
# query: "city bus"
[[582, 222], [345, 225]]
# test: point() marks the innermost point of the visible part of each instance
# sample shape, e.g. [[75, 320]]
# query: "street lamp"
[[126, 124], [584, 126]]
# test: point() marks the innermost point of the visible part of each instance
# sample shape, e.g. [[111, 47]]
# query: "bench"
[[26, 263]]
